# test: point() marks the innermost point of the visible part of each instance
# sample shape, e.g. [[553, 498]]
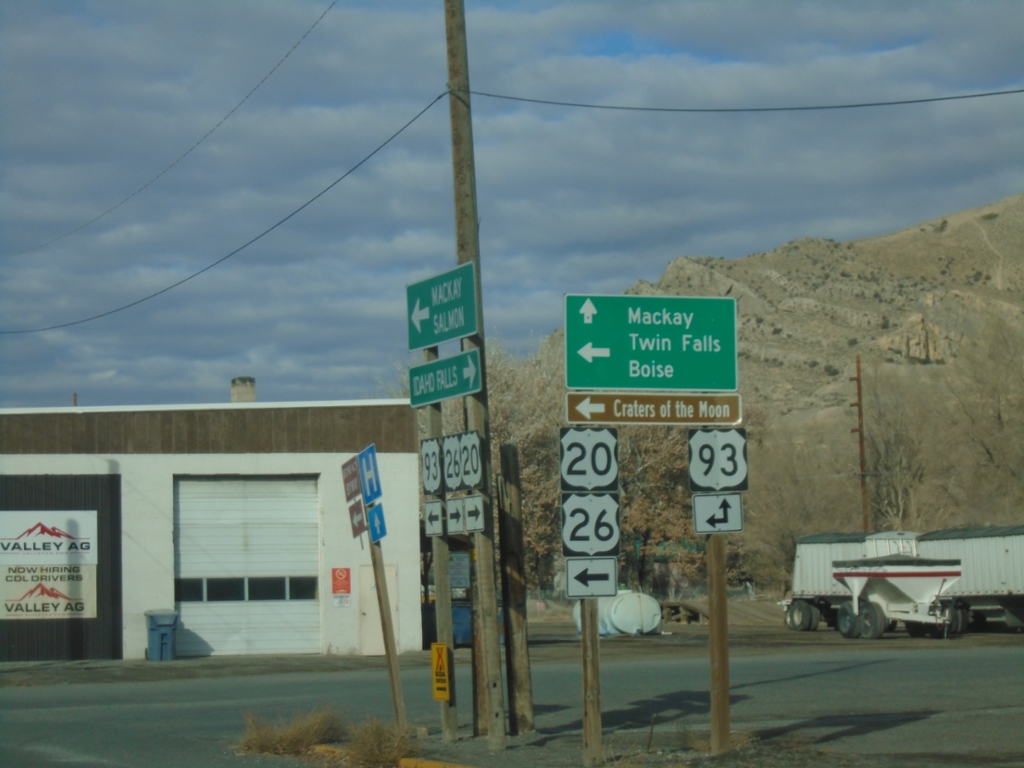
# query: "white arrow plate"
[[591, 577], [474, 513], [456, 515], [433, 518], [717, 512]]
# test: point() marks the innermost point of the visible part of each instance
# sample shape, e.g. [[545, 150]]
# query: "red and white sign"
[[341, 581], [48, 565]]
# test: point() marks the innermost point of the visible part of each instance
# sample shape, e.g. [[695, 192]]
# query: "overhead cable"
[[186, 153], [714, 110], [240, 248]]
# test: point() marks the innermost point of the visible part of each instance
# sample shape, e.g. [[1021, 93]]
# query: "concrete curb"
[[405, 762]]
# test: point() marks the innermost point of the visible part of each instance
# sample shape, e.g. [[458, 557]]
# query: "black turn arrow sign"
[[714, 521], [717, 512]]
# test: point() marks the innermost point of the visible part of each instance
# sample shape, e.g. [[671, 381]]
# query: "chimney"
[[243, 389]]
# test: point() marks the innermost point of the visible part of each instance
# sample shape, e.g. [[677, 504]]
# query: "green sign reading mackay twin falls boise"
[[441, 308], [650, 342]]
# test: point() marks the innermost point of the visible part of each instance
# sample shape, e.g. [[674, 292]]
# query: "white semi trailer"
[[937, 583]]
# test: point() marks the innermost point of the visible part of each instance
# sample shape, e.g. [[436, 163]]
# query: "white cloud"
[[100, 98]]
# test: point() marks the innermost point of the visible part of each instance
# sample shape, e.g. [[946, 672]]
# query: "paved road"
[[946, 699]]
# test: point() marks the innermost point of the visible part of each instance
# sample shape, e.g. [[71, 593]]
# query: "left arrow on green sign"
[[439, 380], [442, 308]]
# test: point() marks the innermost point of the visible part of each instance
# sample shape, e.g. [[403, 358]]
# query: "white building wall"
[[147, 530]]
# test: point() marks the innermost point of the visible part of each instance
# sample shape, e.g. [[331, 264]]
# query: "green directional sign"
[[438, 380], [650, 342], [442, 308]]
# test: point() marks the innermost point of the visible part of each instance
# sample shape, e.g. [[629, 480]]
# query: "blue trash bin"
[[161, 626], [462, 623]]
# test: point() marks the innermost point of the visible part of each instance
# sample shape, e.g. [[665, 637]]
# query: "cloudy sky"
[[97, 98]]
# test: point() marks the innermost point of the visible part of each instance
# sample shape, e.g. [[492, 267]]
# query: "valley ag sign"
[[650, 342]]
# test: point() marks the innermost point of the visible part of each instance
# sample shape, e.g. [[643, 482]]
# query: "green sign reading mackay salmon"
[[441, 308]]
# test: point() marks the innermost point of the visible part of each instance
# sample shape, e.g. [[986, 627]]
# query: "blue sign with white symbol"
[[375, 522], [369, 477]]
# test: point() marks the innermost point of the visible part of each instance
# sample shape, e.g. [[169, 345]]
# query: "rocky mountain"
[[908, 301]]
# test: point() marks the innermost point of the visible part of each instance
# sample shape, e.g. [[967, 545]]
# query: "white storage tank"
[[628, 613]]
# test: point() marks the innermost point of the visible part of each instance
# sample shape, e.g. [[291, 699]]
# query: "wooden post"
[[593, 753], [718, 617], [467, 244], [388, 627], [513, 593], [859, 405], [442, 585]]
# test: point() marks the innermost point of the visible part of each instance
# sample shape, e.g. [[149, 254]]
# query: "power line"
[[242, 247], [187, 152], [719, 110]]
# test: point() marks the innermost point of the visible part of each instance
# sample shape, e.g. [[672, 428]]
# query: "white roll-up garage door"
[[246, 559]]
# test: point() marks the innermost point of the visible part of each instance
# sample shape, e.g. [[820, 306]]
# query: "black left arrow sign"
[[714, 521], [584, 577]]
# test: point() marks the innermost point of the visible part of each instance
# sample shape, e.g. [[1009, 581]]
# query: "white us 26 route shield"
[[590, 525]]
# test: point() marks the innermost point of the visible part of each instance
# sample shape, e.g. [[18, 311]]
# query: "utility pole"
[[468, 249], [859, 405]]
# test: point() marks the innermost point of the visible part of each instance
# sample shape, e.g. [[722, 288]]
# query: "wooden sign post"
[[388, 627], [593, 753], [719, 644]]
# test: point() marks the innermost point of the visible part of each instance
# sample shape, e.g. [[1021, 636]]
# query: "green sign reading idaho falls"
[[441, 308], [440, 379], [650, 342]]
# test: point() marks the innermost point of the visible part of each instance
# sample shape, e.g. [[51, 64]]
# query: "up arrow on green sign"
[[441, 308], [438, 380], [650, 342]]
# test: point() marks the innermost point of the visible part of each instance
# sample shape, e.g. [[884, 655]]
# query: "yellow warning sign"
[[439, 663]]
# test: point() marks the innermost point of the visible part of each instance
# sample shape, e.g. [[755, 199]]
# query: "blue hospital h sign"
[[369, 476]]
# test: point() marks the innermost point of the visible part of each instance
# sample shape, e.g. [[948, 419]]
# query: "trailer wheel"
[[871, 620], [846, 621], [799, 615], [916, 628], [815, 618], [959, 618]]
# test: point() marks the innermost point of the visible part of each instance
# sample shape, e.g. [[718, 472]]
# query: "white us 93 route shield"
[[590, 525]]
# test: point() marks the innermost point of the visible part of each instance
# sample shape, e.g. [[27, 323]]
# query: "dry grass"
[[373, 744], [323, 725], [700, 741]]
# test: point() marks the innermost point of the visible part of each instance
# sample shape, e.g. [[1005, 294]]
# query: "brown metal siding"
[[244, 430], [57, 639]]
